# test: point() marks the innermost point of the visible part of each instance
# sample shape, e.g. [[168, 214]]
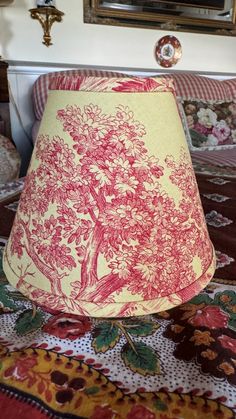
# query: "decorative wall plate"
[[168, 51]]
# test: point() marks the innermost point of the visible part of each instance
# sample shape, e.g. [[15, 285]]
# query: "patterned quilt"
[[178, 364]]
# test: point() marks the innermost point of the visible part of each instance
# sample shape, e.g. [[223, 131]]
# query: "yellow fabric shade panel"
[[110, 221]]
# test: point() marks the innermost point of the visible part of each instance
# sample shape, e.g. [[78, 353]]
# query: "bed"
[[180, 363]]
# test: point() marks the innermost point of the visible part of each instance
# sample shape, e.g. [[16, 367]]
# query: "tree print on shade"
[[111, 205]]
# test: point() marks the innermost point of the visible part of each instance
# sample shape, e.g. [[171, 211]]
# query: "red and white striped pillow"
[[230, 84], [192, 86]]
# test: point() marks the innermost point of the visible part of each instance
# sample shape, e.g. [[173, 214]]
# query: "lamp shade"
[[110, 222]]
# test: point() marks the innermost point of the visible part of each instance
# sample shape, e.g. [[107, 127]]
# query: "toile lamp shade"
[[110, 222]]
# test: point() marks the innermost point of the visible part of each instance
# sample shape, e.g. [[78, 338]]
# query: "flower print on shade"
[[121, 265], [127, 185], [100, 175], [16, 246], [108, 226]]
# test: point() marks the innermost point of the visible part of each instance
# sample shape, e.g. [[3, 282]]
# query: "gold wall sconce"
[[46, 16]]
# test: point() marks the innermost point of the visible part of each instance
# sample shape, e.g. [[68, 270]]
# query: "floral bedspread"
[[179, 364]]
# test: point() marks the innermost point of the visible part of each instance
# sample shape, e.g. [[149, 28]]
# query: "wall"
[[97, 45]]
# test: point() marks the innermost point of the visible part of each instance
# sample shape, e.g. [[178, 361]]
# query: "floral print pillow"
[[210, 125]]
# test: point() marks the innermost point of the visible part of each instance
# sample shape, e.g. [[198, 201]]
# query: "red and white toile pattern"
[[41, 85], [187, 86], [105, 227]]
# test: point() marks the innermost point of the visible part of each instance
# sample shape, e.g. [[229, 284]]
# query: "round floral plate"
[[168, 51]]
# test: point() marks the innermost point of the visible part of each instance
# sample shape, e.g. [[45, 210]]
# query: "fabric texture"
[[110, 220], [230, 84], [210, 125], [9, 160], [178, 363], [187, 86], [191, 86], [41, 85], [219, 204], [196, 88], [217, 157]]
